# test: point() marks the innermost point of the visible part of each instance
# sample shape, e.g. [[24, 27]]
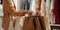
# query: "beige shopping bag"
[[19, 23], [11, 24]]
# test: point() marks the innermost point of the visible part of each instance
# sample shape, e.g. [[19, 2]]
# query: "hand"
[[23, 12], [38, 13], [29, 12]]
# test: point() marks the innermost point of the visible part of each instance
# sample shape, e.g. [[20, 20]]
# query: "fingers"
[[29, 12]]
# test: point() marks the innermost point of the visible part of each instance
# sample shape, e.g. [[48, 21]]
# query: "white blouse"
[[19, 4]]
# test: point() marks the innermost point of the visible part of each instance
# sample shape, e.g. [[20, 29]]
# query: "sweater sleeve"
[[12, 10]]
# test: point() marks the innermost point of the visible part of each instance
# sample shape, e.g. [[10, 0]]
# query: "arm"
[[12, 10], [22, 12]]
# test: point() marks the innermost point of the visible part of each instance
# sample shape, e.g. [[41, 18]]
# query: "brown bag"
[[37, 22], [32, 23], [42, 22], [28, 23]]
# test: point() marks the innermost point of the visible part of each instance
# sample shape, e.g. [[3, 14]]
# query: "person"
[[9, 9], [44, 18]]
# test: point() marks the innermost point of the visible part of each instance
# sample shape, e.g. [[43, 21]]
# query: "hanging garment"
[[43, 8], [33, 5], [59, 10], [48, 9], [34, 23], [20, 4], [56, 11], [51, 12], [26, 5]]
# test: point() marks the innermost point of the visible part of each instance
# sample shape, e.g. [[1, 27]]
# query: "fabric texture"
[[56, 11], [33, 5]]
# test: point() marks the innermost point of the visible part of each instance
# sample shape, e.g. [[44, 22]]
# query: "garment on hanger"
[[26, 5], [48, 9], [59, 10], [51, 12], [20, 4], [56, 11], [43, 8], [33, 5]]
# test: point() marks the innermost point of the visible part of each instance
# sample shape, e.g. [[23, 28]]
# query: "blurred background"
[[46, 8]]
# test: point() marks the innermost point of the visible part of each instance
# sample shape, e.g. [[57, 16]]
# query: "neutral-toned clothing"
[[7, 5], [9, 9]]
